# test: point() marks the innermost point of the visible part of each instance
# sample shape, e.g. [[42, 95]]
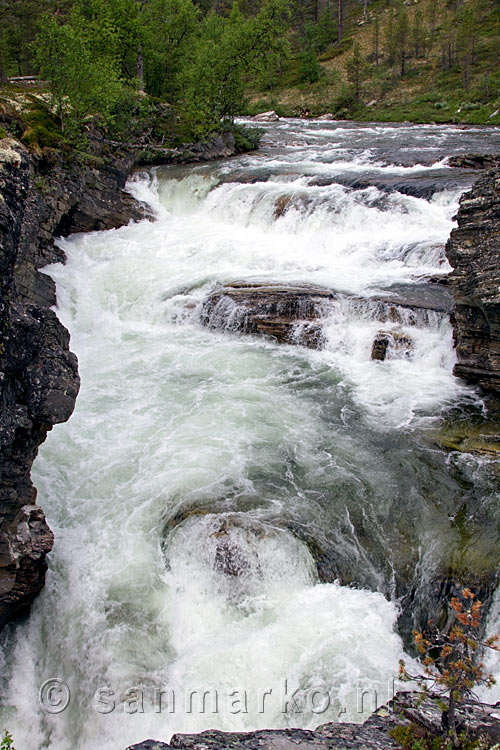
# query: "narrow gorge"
[[257, 483]]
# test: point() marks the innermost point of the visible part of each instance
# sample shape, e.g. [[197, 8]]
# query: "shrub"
[[451, 666], [7, 741]]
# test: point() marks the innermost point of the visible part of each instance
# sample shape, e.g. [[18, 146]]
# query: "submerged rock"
[[384, 340], [481, 439], [296, 313], [473, 250]]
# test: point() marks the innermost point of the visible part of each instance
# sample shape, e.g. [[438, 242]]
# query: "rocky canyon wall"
[[474, 252]]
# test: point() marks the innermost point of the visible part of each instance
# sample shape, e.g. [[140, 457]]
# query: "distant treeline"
[[199, 57]]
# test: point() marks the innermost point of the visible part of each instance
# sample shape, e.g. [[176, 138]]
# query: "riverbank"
[[407, 718]]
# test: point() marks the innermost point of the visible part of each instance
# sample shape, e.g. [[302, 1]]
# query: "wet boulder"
[[400, 343], [291, 314], [474, 161], [270, 116]]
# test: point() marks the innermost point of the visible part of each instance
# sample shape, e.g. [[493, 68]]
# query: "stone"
[[327, 116], [270, 116], [474, 161], [375, 733], [401, 343], [289, 314], [473, 251]]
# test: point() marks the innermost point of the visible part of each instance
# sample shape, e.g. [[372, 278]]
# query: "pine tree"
[[401, 34], [376, 38], [356, 71], [390, 37], [418, 33]]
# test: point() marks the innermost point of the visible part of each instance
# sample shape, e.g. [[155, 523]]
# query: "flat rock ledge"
[[296, 313], [482, 721]]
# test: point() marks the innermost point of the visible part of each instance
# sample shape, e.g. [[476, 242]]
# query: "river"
[[187, 441]]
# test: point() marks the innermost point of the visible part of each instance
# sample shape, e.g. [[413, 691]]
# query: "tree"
[[376, 38], [340, 19], [20, 19], [227, 49], [326, 30], [418, 33], [467, 31], [390, 37], [79, 61], [401, 37], [356, 71], [309, 66], [450, 659], [170, 27]]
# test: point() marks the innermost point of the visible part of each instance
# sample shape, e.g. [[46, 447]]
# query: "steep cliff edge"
[[474, 252]]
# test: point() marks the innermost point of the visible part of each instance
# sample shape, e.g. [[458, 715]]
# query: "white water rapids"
[[189, 448]]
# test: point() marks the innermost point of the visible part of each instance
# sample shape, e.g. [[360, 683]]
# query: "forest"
[[186, 66]]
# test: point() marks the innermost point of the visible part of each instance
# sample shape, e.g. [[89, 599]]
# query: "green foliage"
[[212, 80], [79, 61], [309, 66], [170, 28], [42, 129], [7, 742], [356, 71], [326, 32], [246, 139]]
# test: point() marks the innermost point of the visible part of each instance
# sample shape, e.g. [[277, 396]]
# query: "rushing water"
[[205, 476]]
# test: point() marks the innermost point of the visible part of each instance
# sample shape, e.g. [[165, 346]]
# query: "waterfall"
[[239, 521]]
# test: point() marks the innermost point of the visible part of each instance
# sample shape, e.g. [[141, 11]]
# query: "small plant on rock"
[[7, 741], [452, 666]]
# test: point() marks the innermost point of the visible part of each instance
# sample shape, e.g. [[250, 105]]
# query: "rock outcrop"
[[288, 313], [473, 251], [482, 721], [474, 161], [295, 313], [218, 147]]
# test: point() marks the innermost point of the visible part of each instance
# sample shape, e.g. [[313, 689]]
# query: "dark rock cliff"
[[474, 252]]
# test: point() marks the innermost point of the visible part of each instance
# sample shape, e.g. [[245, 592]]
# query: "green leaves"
[[80, 60], [227, 50]]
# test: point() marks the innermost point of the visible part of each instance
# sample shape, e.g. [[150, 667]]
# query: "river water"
[[187, 444]]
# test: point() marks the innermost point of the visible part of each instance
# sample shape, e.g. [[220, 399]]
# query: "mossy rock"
[[479, 439]]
